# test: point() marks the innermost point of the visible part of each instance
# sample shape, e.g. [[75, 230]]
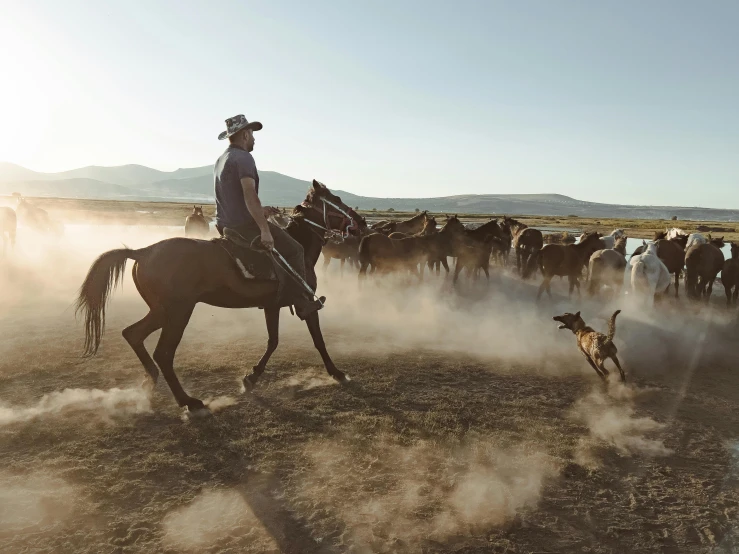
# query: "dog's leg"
[[590, 361], [620, 369], [595, 367]]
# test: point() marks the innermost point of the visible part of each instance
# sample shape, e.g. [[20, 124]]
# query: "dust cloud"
[[611, 419], [391, 497], [35, 503], [105, 404], [215, 517]]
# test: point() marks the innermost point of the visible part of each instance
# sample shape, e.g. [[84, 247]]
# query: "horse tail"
[[533, 263], [595, 269], [692, 263], [612, 325], [104, 276]]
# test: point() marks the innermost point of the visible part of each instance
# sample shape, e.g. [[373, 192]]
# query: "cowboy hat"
[[237, 123]]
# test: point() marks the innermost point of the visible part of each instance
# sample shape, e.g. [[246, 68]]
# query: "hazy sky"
[[613, 101]]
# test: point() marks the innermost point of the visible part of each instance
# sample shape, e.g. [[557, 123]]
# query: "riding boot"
[[305, 306]]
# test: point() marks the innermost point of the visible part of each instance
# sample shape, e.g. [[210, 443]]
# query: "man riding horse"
[[239, 211]]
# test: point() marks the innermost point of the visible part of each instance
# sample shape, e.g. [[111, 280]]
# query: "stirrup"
[[236, 238]]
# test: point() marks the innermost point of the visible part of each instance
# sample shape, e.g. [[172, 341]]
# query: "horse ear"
[[577, 314]]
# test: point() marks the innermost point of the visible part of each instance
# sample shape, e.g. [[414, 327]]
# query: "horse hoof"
[[148, 385], [197, 413], [248, 384], [344, 379], [194, 405]]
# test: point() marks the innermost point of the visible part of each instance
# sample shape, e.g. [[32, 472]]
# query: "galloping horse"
[[526, 241], [174, 274], [8, 225], [195, 224]]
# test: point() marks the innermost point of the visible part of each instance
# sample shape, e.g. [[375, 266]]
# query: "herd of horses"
[[417, 243]]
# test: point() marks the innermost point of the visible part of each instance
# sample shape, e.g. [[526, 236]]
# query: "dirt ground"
[[471, 424]]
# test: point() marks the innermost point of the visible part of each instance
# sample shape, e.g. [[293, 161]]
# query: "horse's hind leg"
[[709, 290], [176, 319], [136, 334], [272, 318], [457, 270], [544, 286], [314, 327], [677, 284]]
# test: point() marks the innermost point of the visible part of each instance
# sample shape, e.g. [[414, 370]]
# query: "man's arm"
[[254, 205]]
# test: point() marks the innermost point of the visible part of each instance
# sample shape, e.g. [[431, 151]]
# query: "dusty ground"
[[471, 425]]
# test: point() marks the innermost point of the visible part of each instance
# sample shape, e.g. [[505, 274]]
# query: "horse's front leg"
[[272, 318], [314, 327]]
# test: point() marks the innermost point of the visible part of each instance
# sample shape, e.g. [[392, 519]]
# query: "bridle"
[[329, 209]]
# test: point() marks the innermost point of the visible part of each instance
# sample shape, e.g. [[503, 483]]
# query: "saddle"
[[252, 263]]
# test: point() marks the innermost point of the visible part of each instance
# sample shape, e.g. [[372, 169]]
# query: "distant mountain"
[[137, 182], [126, 175], [70, 188], [274, 188]]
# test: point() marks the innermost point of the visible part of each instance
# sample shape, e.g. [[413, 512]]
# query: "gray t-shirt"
[[233, 165]]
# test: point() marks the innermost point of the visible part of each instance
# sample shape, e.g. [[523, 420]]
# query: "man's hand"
[[267, 241], [269, 210]]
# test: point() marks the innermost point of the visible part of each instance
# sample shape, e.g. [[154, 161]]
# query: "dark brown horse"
[[526, 242], [672, 254], [342, 249], [8, 226], [473, 253], [195, 224], [446, 244], [566, 260], [173, 275], [730, 275], [703, 262], [502, 246]]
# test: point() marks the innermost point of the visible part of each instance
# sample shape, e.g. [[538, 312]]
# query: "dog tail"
[[612, 325]]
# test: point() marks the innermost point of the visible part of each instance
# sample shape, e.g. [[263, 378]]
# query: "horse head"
[[718, 242], [681, 240], [734, 250], [329, 211], [452, 225]]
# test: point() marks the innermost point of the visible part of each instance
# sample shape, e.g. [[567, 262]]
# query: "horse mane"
[[416, 217]]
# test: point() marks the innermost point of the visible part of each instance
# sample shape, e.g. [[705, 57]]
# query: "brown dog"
[[595, 346]]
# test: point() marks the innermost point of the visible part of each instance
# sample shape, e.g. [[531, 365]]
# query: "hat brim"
[[254, 126]]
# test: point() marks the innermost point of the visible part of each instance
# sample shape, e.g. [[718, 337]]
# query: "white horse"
[[647, 274], [695, 238], [610, 240], [674, 232]]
